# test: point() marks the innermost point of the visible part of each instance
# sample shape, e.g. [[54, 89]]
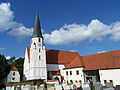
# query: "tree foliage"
[[4, 67]]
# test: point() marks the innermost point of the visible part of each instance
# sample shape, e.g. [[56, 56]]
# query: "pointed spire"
[[37, 28]]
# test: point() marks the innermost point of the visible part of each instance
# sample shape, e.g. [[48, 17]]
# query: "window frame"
[[13, 73], [70, 72], [67, 73], [77, 72]]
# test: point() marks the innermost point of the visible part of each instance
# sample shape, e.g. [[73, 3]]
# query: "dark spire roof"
[[37, 28]]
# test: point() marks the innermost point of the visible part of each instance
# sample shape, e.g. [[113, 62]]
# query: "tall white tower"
[[35, 57]]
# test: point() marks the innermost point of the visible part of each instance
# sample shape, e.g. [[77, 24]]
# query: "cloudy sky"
[[84, 26]]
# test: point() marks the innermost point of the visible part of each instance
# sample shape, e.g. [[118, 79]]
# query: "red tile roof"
[[60, 57], [77, 62], [57, 56], [13, 68], [52, 80], [17, 84], [105, 60], [55, 73]]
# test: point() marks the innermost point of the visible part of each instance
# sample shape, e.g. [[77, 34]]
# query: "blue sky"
[[85, 26]]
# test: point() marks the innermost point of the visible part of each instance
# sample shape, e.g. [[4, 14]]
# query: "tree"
[[11, 60], [4, 68]]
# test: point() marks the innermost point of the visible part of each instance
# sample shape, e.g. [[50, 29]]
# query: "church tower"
[[35, 56]]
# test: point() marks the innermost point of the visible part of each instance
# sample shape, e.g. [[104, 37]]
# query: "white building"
[[69, 67], [35, 56], [13, 75]]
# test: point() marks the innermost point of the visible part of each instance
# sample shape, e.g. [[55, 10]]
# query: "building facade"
[[13, 75], [68, 66], [35, 57]]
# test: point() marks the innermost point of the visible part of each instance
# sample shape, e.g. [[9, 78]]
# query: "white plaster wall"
[[37, 66], [26, 65], [16, 76], [55, 67], [74, 76], [110, 74]]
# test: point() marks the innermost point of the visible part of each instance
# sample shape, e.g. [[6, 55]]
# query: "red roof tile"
[[52, 80], [57, 56], [60, 57], [106, 60], [77, 62], [13, 68], [17, 84], [55, 73]]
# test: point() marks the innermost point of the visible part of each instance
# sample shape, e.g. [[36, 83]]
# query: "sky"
[[84, 26]]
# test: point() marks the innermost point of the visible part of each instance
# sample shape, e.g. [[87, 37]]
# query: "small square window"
[[80, 81], [105, 81], [111, 81]]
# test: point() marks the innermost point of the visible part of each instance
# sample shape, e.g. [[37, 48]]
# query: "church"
[[68, 66]]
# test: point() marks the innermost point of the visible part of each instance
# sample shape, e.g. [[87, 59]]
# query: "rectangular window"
[[71, 81], [67, 81], [13, 73], [76, 81], [77, 72], [105, 81], [66, 72], [39, 58], [111, 81], [70, 72], [39, 40], [80, 81]]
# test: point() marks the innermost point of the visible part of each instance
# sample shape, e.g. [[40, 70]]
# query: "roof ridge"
[[101, 53]]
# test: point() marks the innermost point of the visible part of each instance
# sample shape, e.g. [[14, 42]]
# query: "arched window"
[[56, 78], [35, 45], [39, 40]]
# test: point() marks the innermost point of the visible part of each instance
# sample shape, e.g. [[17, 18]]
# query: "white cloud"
[[8, 57], [2, 49], [101, 51], [8, 24], [71, 33]]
